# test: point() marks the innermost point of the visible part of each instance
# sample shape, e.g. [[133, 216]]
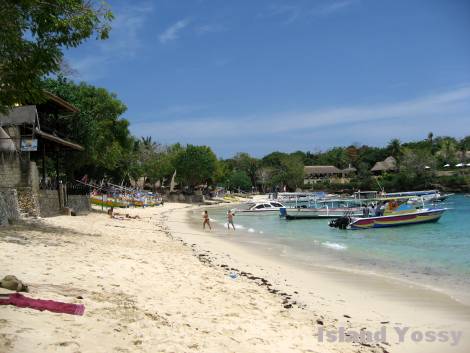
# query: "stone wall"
[[8, 206], [49, 204], [184, 198], [28, 202], [80, 204]]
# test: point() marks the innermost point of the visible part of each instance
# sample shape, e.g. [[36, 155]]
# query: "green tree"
[[282, 169], [395, 150], [99, 127], [34, 34], [195, 165], [247, 164], [447, 150], [238, 180]]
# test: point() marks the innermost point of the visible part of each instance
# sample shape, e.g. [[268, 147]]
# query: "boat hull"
[[398, 220], [305, 213], [108, 202]]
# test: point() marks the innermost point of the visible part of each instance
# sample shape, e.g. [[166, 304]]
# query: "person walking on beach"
[[230, 219], [205, 218]]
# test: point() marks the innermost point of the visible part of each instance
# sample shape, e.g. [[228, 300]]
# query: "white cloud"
[[172, 32], [290, 13], [405, 119], [210, 28], [124, 42], [332, 7]]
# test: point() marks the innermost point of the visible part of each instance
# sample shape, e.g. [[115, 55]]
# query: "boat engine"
[[341, 222]]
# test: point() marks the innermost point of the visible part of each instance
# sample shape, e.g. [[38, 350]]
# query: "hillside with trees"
[[113, 154]]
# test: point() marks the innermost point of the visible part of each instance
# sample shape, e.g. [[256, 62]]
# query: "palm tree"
[[448, 149], [148, 143], [431, 142], [395, 150]]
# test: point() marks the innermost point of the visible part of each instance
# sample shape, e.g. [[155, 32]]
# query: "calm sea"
[[435, 254]]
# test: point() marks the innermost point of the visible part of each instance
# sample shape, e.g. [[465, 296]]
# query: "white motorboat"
[[260, 207]]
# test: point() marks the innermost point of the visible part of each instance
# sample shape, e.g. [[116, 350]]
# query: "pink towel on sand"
[[21, 301]]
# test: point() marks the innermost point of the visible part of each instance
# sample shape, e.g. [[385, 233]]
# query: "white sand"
[[146, 292]]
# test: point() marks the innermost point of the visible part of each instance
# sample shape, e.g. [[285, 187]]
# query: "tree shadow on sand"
[[26, 232]]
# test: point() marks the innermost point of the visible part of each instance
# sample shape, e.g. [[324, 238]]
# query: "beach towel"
[[21, 301]]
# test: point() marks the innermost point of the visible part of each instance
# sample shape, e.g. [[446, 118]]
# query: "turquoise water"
[[434, 254]]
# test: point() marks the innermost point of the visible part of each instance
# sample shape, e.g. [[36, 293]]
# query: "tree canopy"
[[34, 34], [98, 126]]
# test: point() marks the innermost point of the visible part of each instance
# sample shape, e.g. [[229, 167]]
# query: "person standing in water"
[[205, 218], [230, 216]]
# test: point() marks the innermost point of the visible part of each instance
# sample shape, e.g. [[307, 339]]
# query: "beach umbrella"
[[447, 165]]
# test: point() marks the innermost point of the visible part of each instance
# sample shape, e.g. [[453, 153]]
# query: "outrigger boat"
[[102, 200], [397, 212], [324, 209]]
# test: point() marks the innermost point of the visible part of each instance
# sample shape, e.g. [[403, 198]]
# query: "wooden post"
[[57, 165], [44, 161]]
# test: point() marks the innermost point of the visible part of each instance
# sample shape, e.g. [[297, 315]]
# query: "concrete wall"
[[9, 210], [79, 203], [49, 204], [18, 172]]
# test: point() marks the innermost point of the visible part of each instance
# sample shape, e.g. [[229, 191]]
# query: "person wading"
[[205, 218], [230, 216]]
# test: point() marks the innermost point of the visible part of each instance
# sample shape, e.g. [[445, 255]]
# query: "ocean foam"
[[251, 230], [335, 246]]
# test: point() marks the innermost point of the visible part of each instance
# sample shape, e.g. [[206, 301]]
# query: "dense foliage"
[[112, 153], [33, 35]]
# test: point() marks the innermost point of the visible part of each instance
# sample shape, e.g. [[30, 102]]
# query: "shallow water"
[[434, 254]]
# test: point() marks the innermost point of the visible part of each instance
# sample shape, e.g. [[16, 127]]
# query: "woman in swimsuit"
[[230, 219], [205, 218]]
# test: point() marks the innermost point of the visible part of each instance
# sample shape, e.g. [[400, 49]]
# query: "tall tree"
[[195, 165], [247, 164], [99, 127], [33, 35]]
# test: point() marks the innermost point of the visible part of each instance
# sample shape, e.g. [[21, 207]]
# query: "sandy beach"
[[157, 284]]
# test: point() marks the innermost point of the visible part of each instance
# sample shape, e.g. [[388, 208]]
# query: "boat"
[[395, 214], [104, 201], [261, 207], [324, 209], [423, 195]]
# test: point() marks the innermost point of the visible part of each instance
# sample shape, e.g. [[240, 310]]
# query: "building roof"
[[321, 169], [59, 140], [349, 170], [389, 163], [61, 102], [25, 114]]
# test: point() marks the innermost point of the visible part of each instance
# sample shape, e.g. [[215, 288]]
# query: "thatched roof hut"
[[315, 170], [389, 164]]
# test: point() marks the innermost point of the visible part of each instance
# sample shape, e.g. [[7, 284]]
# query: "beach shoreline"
[[461, 296], [389, 299], [158, 284]]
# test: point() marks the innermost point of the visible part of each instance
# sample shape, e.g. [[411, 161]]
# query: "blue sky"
[[266, 75]]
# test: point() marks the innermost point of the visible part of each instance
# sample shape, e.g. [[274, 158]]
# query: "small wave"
[[335, 246], [261, 232], [251, 230], [237, 226]]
